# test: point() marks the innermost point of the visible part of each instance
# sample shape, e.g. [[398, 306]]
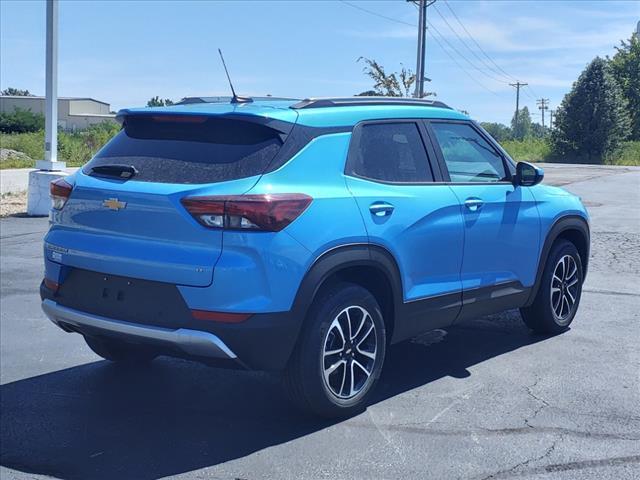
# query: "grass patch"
[[31, 144]]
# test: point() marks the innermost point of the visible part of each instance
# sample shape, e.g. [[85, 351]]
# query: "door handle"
[[381, 209], [473, 204]]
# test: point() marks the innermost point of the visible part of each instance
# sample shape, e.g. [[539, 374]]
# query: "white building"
[[73, 113]]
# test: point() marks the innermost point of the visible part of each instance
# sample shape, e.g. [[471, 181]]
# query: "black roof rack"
[[356, 101]]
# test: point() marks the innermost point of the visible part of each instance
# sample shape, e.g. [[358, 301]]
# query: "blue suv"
[[304, 237]]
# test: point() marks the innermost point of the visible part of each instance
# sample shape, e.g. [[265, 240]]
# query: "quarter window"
[[390, 152], [468, 156]]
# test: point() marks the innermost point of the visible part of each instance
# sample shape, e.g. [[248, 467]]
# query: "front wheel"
[[340, 353], [558, 297]]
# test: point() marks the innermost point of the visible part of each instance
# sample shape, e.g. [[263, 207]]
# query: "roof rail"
[[227, 99], [357, 101]]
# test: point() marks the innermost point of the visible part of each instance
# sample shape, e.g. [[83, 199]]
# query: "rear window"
[[390, 152], [190, 150]]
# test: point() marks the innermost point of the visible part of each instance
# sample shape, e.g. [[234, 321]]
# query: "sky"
[[125, 52]]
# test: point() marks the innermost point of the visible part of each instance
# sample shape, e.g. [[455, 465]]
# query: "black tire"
[[304, 377], [120, 352], [542, 316]]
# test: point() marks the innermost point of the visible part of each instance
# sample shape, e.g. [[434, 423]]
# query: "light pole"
[[49, 169], [51, 90]]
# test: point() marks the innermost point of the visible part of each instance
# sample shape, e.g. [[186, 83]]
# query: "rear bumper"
[[262, 342], [190, 342]]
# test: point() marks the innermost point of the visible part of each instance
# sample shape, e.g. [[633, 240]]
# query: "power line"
[[371, 12], [526, 92], [443, 38], [391, 19], [461, 67], [476, 43], [482, 61], [535, 95]]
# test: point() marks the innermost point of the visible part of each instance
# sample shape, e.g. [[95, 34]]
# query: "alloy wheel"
[[349, 352], [564, 288]]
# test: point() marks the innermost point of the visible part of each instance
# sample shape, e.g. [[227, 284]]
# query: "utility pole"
[[422, 45], [517, 86], [543, 104]]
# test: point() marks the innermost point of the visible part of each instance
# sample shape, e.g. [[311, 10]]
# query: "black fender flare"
[[340, 258], [560, 226]]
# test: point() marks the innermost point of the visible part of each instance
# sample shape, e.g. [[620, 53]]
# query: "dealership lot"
[[486, 399]]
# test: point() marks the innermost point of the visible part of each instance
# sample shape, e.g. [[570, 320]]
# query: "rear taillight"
[[59, 191], [270, 212]]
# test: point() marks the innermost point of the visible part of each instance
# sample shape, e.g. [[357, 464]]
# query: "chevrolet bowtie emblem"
[[114, 204]]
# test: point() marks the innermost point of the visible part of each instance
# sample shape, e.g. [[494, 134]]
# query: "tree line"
[[598, 115]]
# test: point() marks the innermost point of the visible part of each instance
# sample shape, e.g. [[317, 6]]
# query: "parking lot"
[[484, 400]]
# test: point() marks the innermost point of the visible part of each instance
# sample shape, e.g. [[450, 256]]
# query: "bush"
[[21, 121], [627, 153], [528, 150]]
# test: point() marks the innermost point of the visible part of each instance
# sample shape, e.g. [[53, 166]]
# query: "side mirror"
[[527, 175]]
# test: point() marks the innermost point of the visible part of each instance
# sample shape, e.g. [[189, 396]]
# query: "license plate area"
[[123, 298]]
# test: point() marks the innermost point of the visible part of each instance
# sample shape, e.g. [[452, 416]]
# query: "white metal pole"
[[49, 169], [51, 102]]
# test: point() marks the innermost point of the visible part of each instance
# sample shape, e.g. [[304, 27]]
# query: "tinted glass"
[[199, 150], [390, 152], [469, 157]]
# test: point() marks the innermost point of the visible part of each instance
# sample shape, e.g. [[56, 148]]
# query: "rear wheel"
[[558, 297], [119, 352], [340, 353]]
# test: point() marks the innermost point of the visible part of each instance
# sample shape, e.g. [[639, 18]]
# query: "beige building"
[[73, 113]]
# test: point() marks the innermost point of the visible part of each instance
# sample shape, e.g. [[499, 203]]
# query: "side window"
[[390, 152], [469, 157]]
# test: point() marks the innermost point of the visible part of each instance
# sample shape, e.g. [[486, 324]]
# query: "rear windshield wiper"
[[115, 170]]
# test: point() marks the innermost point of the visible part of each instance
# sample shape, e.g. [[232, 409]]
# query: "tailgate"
[[130, 229]]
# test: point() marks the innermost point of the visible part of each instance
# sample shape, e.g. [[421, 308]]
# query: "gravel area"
[[13, 204]]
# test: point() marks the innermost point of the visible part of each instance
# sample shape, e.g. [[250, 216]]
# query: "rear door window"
[[389, 152], [467, 155], [190, 150]]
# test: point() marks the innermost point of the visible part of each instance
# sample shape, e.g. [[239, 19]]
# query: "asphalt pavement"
[[485, 400]]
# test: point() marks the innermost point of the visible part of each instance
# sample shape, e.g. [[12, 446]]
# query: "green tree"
[[538, 131], [522, 128], [16, 92], [159, 102], [592, 119], [396, 84], [498, 131], [625, 67]]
